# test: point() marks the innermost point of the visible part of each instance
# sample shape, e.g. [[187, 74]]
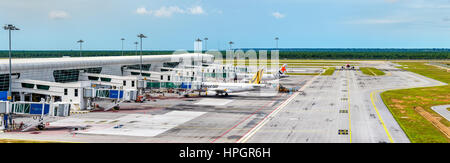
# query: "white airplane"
[[281, 73], [225, 88]]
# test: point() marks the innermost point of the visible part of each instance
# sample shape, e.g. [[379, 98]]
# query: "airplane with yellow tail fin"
[[225, 88]]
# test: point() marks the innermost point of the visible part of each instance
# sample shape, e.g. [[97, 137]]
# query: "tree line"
[[307, 54]]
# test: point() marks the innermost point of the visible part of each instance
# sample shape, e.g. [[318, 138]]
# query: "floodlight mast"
[[201, 62], [198, 44], [141, 36], [136, 43], [122, 45], [206, 43], [276, 42], [10, 28], [231, 43], [81, 43]]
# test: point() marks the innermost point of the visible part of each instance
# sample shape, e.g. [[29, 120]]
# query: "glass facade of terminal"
[[4, 81], [71, 75]]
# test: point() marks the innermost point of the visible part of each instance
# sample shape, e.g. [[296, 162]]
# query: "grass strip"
[[371, 71], [404, 103]]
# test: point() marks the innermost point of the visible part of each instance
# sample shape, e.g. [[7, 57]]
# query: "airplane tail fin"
[[283, 69], [257, 78]]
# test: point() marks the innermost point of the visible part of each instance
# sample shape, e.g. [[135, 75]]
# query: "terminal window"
[[64, 76], [4, 81], [145, 67], [71, 75]]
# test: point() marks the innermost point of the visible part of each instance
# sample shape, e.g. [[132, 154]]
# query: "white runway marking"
[[248, 135], [146, 125], [213, 102]]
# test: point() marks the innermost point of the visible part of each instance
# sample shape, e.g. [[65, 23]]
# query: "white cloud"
[[169, 11], [196, 10], [142, 11], [278, 15], [58, 14]]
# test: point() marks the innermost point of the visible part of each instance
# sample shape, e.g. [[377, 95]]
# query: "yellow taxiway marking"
[[38, 141], [379, 116], [349, 113]]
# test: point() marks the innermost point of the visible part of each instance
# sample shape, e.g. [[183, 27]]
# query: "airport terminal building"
[[76, 80]]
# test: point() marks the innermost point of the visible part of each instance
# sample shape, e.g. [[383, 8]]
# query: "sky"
[[175, 24]]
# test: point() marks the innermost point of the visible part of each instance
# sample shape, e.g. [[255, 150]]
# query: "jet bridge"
[[32, 109]]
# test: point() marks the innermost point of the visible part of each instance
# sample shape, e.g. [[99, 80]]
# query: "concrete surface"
[[347, 101]]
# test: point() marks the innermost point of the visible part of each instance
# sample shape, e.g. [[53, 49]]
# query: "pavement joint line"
[[226, 132], [349, 113], [379, 116], [266, 119]]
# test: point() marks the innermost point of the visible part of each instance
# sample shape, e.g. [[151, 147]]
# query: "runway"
[[342, 108]]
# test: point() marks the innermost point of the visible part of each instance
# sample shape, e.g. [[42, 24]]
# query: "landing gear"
[[41, 126], [222, 94]]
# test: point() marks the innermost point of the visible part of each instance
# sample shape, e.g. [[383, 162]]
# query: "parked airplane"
[[347, 66], [225, 88], [281, 73]]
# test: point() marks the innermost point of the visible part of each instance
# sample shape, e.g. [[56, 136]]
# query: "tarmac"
[[341, 108]]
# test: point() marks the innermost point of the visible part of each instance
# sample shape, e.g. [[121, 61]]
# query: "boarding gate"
[[39, 109]]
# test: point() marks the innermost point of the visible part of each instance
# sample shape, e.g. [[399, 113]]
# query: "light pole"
[[136, 43], [122, 45], [199, 64], [10, 28], [140, 37], [231, 43], [198, 48], [206, 43], [81, 43], [276, 42]]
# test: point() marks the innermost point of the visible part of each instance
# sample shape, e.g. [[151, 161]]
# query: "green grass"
[[402, 102], [329, 71], [371, 71], [426, 70]]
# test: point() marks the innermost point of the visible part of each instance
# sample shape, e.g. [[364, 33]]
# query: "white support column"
[[22, 96]]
